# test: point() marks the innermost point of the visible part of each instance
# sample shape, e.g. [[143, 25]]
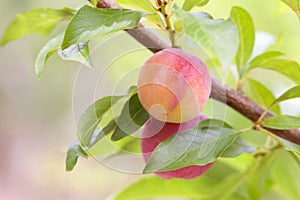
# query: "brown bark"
[[220, 92]]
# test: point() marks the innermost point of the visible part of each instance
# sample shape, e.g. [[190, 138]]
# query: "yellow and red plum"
[[174, 85]]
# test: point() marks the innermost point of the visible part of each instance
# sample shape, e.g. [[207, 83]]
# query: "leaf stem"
[[241, 82], [270, 134], [260, 119], [294, 9], [246, 129]]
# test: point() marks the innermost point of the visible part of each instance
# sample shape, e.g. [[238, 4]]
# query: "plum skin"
[[155, 132], [174, 85]]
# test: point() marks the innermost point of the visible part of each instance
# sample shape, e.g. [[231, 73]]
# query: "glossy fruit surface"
[[174, 85]]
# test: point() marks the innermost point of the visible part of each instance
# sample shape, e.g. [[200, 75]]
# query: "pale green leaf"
[[131, 144], [198, 188], [49, 49], [156, 18], [94, 2], [148, 188], [260, 94], [38, 21], [286, 175], [268, 54], [190, 4], [145, 5], [282, 122], [77, 52], [178, 26], [291, 146], [73, 154], [246, 29], [214, 123], [260, 180], [273, 61], [289, 94], [219, 38], [90, 23], [293, 4], [197, 146], [233, 187], [140, 4]]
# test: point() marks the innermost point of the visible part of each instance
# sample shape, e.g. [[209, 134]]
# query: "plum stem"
[[166, 17], [220, 92]]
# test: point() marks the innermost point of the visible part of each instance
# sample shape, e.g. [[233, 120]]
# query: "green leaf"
[[267, 173], [246, 34], [39, 21], [289, 94], [89, 23], [156, 18], [238, 147], [132, 117], [282, 122], [94, 2], [89, 120], [145, 5], [236, 185], [286, 175], [233, 187], [218, 37], [214, 123], [140, 4], [260, 94], [273, 61], [73, 153], [260, 178], [178, 26], [131, 144], [190, 4], [197, 146], [77, 52], [151, 187], [293, 4], [198, 188], [49, 49], [268, 54], [291, 146]]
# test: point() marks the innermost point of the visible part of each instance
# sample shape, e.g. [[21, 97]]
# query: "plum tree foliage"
[[259, 161]]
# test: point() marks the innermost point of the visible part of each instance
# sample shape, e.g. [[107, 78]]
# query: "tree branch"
[[220, 92]]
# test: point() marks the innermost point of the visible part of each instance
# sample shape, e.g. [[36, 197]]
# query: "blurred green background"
[[36, 118]]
